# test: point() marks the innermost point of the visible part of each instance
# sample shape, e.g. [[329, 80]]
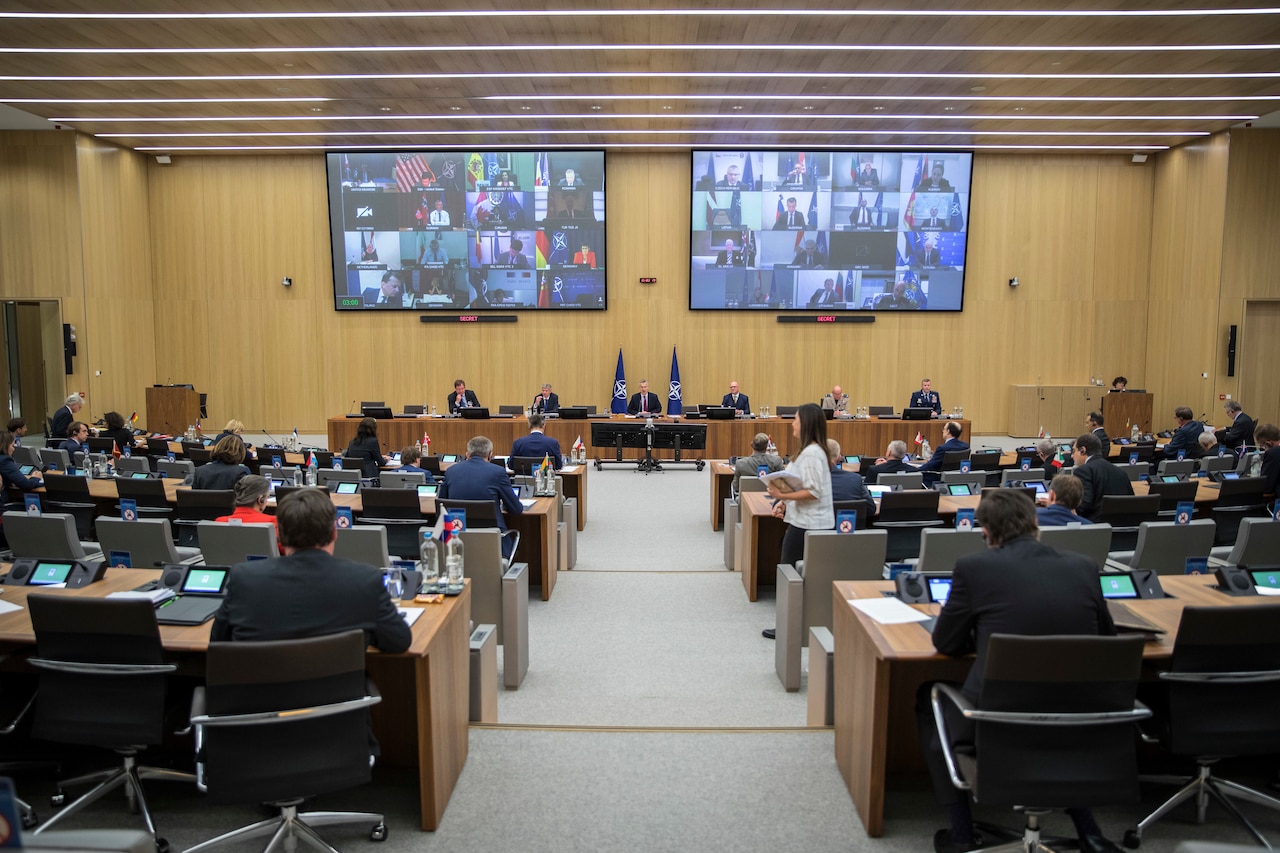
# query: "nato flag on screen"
[[619, 404]]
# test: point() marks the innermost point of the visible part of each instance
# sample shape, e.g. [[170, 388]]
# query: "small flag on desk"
[[311, 460], [919, 438], [295, 435], [577, 443], [1041, 431], [133, 419], [546, 462], [1059, 459]]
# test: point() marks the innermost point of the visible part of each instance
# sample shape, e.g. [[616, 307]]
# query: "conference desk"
[[539, 538], [422, 720], [879, 668], [869, 436]]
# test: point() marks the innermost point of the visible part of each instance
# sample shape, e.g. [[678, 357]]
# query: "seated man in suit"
[[933, 468], [570, 180], [730, 255], [848, 485], [1016, 586], [77, 440], [1095, 422], [926, 398], [1043, 465], [538, 444], [1098, 476], [1209, 445], [514, 256], [461, 398], [390, 294], [898, 300], [1186, 437], [308, 592], [810, 257], [738, 401], [477, 479], [828, 295], [934, 183], [1238, 435], [893, 462], [547, 402], [1268, 438], [867, 177], [790, 219], [749, 466], [732, 179], [64, 416], [410, 456], [1065, 493], [837, 400], [644, 403], [927, 255]]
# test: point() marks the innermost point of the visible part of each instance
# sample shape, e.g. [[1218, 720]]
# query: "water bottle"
[[427, 561], [311, 475], [453, 561], [1134, 434], [418, 446]]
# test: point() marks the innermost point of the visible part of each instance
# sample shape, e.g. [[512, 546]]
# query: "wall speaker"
[[1231, 352]]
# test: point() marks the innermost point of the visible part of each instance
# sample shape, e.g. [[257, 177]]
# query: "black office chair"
[[149, 495], [1125, 513], [1223, 691], [481, 514], [281, 721], [859, 507], [71, 495], [1237, 499], [984, 460], [952, 458], [102, 682], [1053, 728], [523, 464], [400, 511], [904, 515], [324, 458], [1172, 494], [197, 505]]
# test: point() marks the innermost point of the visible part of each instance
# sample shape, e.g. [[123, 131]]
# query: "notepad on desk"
[[888, 611], [410, 614]]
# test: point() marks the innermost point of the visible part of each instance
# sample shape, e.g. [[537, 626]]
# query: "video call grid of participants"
[[889, 227], [471, 229]]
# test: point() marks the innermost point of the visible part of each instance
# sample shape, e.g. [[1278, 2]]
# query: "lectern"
[[172, 408], [1124, 409]]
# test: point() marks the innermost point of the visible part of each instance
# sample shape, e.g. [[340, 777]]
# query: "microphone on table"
[[274, 440], [352, 406]]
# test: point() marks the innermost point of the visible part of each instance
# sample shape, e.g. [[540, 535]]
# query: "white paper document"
[[6, 607], [410, 614], [888, 611]]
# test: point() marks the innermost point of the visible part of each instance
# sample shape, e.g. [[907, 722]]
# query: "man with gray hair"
[[1240, 433], [893, 462], [64, 416], [546, 402], [477, 479], [749, 466]]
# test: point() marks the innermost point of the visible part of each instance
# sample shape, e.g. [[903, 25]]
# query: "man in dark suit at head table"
[[644, 403], [868, 177], [461, 398], [791, 219], [547, 401], [736, 399], [478, 479], [308, 592], [1016, 586], [1098, 476]]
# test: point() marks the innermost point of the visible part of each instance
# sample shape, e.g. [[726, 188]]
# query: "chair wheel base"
[[1132, 839], [30, 819], [58, 800], [162, 845], [378, 833]]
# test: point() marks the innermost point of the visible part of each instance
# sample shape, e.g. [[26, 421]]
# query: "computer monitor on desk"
[[720, 413], [917, 414], [382, 413], [475, 414], [573, 413]]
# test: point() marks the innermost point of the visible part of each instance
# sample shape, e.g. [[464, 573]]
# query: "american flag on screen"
[[409, 168]]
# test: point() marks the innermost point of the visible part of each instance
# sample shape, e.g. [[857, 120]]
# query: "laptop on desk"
[[720, 413], [201, 591], [472, 413], [381, 413], [917, 414]]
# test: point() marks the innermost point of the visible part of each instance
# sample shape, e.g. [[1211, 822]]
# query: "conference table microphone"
[[274, 440]]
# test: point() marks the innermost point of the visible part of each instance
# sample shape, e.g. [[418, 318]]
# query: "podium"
[[171, 409], [1123, 409]]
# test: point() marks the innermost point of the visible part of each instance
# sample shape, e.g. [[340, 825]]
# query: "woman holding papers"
[[803, 489]]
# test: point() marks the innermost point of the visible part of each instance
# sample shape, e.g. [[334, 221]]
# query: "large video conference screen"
[[467, 230], [829, 230]]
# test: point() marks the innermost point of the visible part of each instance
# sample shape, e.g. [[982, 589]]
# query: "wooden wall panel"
[[40, 238], [226, 229], [1250, 258], [1186, 258], [115, 224]]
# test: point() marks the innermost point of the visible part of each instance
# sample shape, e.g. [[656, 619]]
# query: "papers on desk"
[[410, 614], [888, 611], [1267, 590], [155, 596], [527, 502], [6, 607]]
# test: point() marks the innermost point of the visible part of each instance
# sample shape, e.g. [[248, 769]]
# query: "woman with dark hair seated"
[[10, 472], [365, 447], [117, 430], [226, 468]]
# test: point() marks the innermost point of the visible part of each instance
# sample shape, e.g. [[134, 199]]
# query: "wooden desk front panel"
[[1123, 410], [724, 438]]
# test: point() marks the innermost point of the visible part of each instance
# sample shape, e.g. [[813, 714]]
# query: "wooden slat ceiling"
[[649, 74]]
